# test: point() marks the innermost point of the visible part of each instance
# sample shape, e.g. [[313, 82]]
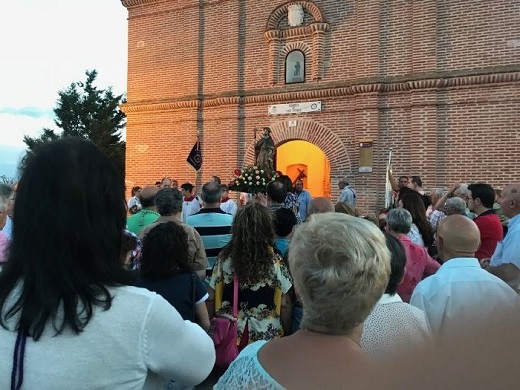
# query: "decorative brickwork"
[[316, 134], [434, 80], [279, 40]]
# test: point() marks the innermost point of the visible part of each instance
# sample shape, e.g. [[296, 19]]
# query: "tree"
[[10, 181], [84, 111]]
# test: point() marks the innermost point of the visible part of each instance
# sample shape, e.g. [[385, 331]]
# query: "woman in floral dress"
[[264, 304]]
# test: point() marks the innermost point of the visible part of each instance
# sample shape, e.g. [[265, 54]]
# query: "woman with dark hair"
[[402, 192], [291, 199], [421, 232], [165, 269], [263, 298], [134, 203], [68, 318]]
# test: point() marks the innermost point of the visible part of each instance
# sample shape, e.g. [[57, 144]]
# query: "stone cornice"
[[323, 91], [298, 32], [134, 3]]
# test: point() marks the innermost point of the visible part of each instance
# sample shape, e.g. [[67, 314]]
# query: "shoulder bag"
[[224, 332]]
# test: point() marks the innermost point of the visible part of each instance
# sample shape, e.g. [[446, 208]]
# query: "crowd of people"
[[99, 292]]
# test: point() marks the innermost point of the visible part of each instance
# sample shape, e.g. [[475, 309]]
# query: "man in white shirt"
[[461, 294], [226, 204], [505, 262], [191, 203], [394, 325]]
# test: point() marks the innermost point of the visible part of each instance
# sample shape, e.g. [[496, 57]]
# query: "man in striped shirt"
[[212, 224]]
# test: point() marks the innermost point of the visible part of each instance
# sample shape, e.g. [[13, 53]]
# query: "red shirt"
[[491, 233], [419, 265]]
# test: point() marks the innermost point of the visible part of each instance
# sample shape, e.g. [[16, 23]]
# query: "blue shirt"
[[305, 200], [348, 196], [183, 291], [508, 250], [8, 228], [282, 244]]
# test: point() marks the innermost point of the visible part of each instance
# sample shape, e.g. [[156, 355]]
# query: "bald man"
[[461, 293], [320, 205], [505, 262], [148, 213]]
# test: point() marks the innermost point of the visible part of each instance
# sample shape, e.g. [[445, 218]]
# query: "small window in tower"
[[295, 67]]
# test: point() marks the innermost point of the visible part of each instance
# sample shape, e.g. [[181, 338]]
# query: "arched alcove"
[[315, 133]]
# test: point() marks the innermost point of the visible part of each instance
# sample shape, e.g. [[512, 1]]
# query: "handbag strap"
[[235, 296], [18, 358], [193, 295]]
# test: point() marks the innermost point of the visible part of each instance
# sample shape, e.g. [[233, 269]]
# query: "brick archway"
[[279, 13], [315, 133]]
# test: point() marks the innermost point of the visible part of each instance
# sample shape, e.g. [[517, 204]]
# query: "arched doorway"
[[298, 158]]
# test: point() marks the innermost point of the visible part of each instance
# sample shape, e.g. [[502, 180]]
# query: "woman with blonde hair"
[[264, 281], [341, 267], [345, 208]]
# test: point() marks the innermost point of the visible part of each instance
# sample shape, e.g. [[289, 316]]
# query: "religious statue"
[[297, 68], [264, 151]]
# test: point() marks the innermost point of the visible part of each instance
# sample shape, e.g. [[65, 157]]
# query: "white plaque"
[[295, 15], [294, 108]]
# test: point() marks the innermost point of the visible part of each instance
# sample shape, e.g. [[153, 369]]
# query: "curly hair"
[[251, 246], [413, 202], [165, 252]]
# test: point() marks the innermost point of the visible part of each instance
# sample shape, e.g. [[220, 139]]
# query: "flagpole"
[[388, 185], [198, 179]]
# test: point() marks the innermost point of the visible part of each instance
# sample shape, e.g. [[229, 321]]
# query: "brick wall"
[[437, 81]]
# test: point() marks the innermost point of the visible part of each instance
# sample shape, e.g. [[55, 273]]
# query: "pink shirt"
[[419, 265], [3, 247]]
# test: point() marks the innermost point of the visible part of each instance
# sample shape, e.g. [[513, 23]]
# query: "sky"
[[45, 46]]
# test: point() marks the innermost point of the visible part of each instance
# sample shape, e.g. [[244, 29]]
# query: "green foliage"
[[85, 111], [10, 181]]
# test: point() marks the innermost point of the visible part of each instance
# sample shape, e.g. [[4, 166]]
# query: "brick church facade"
[[436, 81]]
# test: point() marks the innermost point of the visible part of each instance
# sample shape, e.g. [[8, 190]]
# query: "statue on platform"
[[264, 151]]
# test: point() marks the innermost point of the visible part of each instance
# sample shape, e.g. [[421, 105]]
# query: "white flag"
[[389, 194]]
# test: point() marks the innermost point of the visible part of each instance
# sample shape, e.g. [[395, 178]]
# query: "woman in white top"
[[134, 203], [394, 326], [69, 321]]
